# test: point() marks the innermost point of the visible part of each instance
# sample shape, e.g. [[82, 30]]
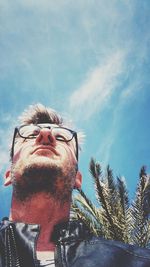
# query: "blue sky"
[[90, 60]]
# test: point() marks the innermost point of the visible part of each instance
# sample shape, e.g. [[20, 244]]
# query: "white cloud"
[[110, 137], [99, 86], [127, 94]]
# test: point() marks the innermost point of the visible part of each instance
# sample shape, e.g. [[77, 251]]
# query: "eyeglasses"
[[31, 131]]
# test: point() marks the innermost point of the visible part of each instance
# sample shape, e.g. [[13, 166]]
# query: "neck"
[[43, 210]]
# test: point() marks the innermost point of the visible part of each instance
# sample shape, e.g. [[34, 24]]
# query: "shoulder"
[[96, 251], [116, 246]]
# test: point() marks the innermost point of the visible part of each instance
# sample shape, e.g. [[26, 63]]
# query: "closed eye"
[[33, 134], [60, 138]]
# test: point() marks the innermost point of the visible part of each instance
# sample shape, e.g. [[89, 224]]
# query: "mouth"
[[45, 150]]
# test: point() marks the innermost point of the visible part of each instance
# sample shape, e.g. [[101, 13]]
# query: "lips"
[[46, 147]]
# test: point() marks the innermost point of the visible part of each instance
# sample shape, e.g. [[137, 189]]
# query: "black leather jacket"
[[75, 247]]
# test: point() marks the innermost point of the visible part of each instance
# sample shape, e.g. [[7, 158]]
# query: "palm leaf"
[[140, 226]]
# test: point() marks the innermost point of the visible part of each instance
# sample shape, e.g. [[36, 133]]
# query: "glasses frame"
[[17, 131]]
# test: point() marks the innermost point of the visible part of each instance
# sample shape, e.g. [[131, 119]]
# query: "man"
[[43, 173]]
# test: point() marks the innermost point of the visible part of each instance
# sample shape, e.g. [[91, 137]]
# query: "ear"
[[7, 178], [78, 180]]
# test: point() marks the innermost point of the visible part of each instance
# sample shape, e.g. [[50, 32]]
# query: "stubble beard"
[[51, 180]]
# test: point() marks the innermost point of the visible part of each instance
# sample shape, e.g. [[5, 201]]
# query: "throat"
[[44, 245], [43, 210]]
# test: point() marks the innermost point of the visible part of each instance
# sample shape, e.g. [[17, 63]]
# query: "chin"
[[43, 161], [41, 164], [33, 165]]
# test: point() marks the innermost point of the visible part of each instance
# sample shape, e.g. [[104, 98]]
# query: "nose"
[[45, 137]]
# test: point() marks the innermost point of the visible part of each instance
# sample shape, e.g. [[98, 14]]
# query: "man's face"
[[43, 164]]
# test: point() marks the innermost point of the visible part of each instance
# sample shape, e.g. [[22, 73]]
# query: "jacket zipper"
[[11, 254], [58, 257]]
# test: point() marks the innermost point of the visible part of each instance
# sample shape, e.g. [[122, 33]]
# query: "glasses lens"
[[62, 134], [29, 131]]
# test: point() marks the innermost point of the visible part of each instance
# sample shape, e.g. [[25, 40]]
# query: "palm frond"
[[84, 202], [106, 195], [123, 195], [92, 222], [140, 212]]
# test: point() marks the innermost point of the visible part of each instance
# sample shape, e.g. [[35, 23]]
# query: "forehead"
[[47, 124], [43, 125]]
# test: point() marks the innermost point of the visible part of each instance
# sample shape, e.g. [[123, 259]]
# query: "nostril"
[[45, 137], [51, 138]]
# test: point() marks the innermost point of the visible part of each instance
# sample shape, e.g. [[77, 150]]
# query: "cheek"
[[21, 150], [67, 151], [17, 151], [72, 150]]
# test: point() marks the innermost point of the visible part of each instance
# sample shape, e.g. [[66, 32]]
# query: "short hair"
[[38, 113]]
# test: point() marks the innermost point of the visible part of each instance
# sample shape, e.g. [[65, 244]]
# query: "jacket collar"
[[66, 231]]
